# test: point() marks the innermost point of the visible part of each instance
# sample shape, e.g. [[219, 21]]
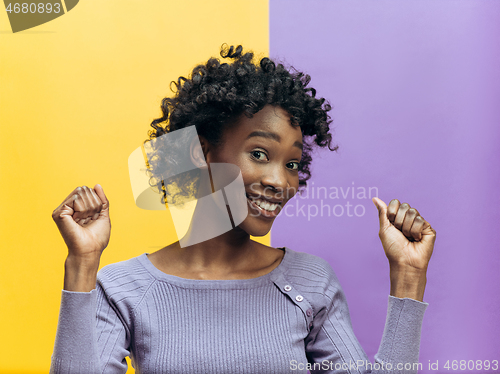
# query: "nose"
[[276, 178]]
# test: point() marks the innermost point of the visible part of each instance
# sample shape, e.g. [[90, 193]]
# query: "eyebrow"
[[273, 136]]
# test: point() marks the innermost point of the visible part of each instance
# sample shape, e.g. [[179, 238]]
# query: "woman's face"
[[267, 149]]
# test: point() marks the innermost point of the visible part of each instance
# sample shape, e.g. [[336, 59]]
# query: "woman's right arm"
[[87, 321]]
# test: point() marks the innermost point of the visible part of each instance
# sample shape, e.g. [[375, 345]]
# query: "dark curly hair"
[[216, 94]]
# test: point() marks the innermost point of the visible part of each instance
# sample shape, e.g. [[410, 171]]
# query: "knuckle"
[[97, 201]]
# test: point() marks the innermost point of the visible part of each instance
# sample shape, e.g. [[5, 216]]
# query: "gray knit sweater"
[[291, 320]]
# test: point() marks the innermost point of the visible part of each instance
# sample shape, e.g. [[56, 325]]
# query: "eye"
[[259, 155], [293, 165]]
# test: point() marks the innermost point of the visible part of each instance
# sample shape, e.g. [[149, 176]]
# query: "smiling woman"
[[269, 163], [218, 95], [229, 304]]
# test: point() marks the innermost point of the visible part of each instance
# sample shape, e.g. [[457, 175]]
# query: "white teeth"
[[266, 205]]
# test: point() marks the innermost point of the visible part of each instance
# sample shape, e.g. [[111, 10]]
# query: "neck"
[[204, 247], [231, 250]]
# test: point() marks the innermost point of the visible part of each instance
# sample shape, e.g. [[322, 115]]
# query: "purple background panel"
[[415, 87]]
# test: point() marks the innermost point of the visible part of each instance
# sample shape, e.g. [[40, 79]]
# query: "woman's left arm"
[[408, 241], [331, 346]]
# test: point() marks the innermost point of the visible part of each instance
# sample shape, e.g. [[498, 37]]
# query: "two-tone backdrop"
[[415, 88]]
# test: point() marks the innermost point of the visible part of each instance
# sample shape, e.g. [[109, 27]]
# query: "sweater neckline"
[[216, 283]]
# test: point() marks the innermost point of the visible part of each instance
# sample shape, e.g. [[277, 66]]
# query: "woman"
[[229, 304]]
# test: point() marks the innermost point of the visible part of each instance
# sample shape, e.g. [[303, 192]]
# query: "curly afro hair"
[[218, 93]]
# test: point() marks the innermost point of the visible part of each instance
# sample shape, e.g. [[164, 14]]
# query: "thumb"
[[382, 213], [105, 203], [64, 219]]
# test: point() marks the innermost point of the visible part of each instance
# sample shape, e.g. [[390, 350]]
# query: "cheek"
[[293, 190], [249, 173]]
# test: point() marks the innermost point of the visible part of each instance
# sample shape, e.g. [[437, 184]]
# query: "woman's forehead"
[[273, 122]]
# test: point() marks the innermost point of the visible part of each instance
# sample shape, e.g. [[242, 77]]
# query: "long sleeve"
[[91, 336], [333, 347]]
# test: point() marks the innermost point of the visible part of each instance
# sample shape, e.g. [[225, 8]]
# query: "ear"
[[198, 150]]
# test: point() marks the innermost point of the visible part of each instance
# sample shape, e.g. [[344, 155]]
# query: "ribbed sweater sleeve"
[[332, 345], [94, 332], [91, 337]]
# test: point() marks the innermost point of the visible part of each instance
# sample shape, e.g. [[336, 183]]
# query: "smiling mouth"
[[267, 209]]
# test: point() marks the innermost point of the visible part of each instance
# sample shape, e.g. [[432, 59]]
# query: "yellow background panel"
[[77, 95]]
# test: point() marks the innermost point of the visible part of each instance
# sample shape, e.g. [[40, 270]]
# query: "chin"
[[251, 227]]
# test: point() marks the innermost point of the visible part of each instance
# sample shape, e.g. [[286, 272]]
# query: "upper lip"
[[271, 200]]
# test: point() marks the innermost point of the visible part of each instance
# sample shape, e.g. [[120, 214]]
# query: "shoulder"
[[125, 281], [308, 268], [313, 276]]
